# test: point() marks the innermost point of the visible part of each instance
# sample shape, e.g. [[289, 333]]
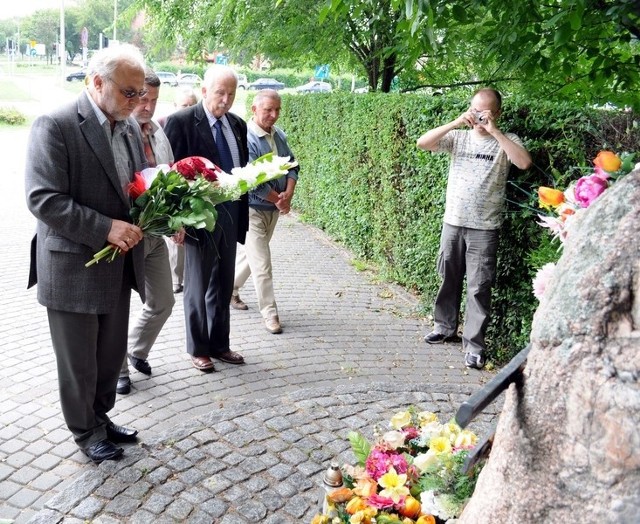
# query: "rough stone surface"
[[567, 446]]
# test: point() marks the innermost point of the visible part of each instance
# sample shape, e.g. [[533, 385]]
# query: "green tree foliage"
[[586, 50]]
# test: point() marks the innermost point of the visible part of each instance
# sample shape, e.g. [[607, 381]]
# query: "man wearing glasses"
[[80, 159]]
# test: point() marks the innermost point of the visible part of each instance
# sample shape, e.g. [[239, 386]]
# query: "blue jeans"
[[470, 252]]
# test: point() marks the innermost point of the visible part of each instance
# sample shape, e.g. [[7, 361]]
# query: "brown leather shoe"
[[203, 364], [237, 303], [273, 325], [231, 357]]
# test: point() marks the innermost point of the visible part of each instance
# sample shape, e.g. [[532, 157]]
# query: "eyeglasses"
[[130, 93]]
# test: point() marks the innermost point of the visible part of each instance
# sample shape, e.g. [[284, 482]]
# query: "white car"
[[167, 78], [242, 81], [314, 87], [189, 79]]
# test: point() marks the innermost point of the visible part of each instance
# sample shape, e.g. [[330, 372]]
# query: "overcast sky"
[[12, 8]]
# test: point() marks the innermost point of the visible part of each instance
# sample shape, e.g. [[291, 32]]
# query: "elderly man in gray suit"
[[80, 159]]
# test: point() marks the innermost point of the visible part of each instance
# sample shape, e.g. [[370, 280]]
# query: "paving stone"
[[88, 508], [267, 429]]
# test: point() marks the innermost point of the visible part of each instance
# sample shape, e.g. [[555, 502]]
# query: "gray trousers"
[[159, 301], [89, 350], [470, 252]]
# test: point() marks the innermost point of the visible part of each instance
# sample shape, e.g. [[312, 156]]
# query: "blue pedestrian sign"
[[322, 72]]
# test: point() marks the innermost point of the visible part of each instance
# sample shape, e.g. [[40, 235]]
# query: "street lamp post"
[[62, 48], [115, 18]]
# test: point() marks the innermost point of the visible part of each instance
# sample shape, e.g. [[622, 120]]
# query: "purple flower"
[[588, 188]]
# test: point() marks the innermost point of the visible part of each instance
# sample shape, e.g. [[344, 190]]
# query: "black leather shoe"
[[124, 386], [436, 338], [103, 450], [141, 365], [120, 434]]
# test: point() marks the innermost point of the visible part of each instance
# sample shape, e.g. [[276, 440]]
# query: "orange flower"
[[426, 519], [411, 508], [366, 487], [354, 505], [340, 495], [608, 161], [549, 197]]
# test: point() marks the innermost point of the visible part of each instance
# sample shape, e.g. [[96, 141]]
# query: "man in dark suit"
[[207, 129], [80, 159]]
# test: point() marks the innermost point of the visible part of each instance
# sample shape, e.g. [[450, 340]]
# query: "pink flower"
[[541, 280], [601, 173], [588, 188], [379, 462], [380, 502]]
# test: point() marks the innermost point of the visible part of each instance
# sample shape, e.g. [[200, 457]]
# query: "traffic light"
[[104, 41]]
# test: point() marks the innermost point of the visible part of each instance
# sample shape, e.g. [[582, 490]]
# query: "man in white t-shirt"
[[480, 162]]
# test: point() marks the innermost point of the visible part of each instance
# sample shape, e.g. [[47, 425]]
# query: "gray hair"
[[184, 94], [217, 72], [107, 60], [264, 94]]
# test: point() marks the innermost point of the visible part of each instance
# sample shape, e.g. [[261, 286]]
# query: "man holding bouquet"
[[209, 130], [80, 160]]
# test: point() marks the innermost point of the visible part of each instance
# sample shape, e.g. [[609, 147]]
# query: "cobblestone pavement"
[[244, 444]]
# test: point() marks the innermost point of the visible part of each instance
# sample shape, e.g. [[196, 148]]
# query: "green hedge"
[[365, 183]]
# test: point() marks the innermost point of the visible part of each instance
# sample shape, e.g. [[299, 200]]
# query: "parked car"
[[266, 83], [167, 78], [242, 81], [314, 87], [78, 76], [189, 79]]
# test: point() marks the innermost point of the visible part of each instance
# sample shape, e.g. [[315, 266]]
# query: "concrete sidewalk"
[[244, 444]]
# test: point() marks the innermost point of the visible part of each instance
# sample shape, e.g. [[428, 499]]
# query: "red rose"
[[193, 166], [137, 187]]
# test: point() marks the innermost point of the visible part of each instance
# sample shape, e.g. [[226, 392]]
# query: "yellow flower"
[[354, 505], [450, 430], [394, 485], [426, 417], [549, 197], [440, 445], [608, 161], [400, 420], [363, 516], [466, 439], [320, 519]]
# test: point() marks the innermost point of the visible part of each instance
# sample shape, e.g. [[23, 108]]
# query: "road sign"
[[322, 72]]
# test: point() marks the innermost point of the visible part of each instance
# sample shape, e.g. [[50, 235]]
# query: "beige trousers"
[[255, 259]]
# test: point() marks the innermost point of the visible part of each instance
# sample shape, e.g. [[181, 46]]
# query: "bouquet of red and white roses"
[[169, 198]]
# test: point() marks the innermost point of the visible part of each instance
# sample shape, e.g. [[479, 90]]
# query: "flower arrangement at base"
[[169, 198], [411, 475], [565, 207]]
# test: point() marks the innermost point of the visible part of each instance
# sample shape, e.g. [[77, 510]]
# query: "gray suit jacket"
[[73, 190]]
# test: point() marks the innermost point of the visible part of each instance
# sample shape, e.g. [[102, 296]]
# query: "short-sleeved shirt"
[[477, 179]]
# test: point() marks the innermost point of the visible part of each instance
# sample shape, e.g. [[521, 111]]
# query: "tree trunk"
[[567, 446]]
